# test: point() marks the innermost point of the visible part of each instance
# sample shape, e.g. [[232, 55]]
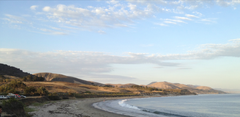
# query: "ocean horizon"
[[204, 105]]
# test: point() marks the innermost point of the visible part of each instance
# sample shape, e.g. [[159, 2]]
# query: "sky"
[[128, 41]]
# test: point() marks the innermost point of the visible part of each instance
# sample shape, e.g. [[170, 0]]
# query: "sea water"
[[217, 105]]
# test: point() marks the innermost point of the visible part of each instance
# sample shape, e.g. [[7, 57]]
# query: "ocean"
[[213, 105]]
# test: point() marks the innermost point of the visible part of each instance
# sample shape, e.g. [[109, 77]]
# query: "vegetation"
[[146, 88], [4, 79], [13, 87], [26, 78], [17, 87], [107, 86], [13, 106], [32, 78], [54, 96]]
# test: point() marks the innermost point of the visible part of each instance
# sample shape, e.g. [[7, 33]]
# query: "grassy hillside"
[[83, 88], [60, 77]]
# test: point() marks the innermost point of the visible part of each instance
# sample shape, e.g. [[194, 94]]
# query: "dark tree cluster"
[[32, 78], [146, 88], [35, 91]]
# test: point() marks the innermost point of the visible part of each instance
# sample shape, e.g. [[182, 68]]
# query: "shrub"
[[42, 91], [30, 90], [13, 106], [54, 97]]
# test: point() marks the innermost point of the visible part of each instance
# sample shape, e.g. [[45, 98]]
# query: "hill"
[[163, 85], [8, 73], [12, 71], [63, 78], [192, 88], [83, 88], [121, 85]]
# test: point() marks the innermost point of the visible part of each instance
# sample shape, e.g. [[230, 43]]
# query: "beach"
[[90, 107], [74, 108], [145, 106]]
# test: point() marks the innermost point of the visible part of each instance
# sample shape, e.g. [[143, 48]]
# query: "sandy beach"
[[74, 108]]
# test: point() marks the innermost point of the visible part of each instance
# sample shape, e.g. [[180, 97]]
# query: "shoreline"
[[78, 108], [84, 107]]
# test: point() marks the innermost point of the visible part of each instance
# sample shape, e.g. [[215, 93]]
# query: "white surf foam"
[[123, 104]]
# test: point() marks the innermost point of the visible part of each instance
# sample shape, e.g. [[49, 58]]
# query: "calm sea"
[[220, 105]]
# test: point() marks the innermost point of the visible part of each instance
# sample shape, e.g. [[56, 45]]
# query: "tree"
[[35, 78], [30, 90], [42, 91]]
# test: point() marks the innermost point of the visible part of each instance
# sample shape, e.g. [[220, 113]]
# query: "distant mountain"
[[230, 90], [63, 78], [163, 85], [12, 71], [192, 88], [152, 82]]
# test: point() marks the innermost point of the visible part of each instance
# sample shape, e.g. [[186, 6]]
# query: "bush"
[[12, 87], [30, 90], [54, 97], [42, 91], [32, 78], [13, 106], [65, 97]]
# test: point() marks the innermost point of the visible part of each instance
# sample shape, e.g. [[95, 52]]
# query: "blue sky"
[[131, 41]]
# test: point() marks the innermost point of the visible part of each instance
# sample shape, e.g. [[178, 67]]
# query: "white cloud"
[[191, 16], [92, 64], [209, 51], [53, 31], [122, 13], [47, 8], [92, 18], [182, 18], [33, 7], [209, 20], [112, 2], [170, 22], [161, 24], [89, 61]]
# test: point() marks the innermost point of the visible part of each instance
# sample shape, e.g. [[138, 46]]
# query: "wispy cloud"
[[114, 14], [208, 51], [117, 15], [191, 16], [161, 24], [53, 31], [12, 19], [182, 18], [208, 20]]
